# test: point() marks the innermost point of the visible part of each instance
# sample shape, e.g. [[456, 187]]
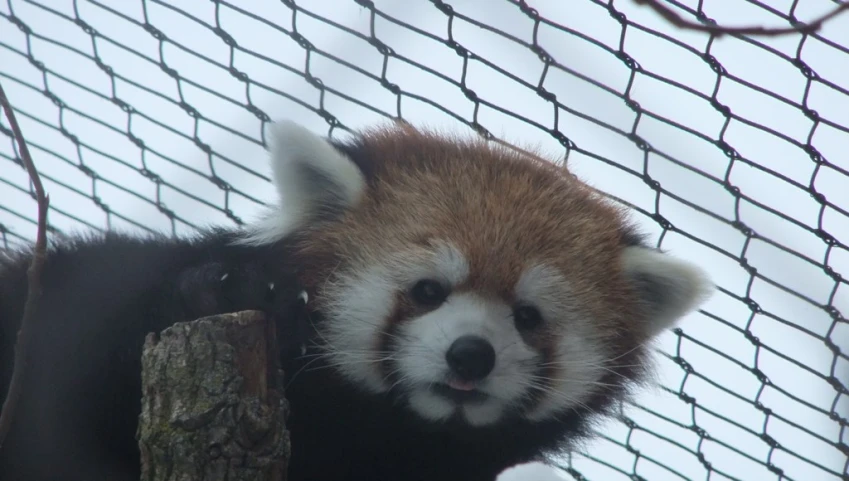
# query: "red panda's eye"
[[526, 317], [429, 292]]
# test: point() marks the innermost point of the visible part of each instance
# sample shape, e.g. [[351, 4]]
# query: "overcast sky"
[[174, 80]]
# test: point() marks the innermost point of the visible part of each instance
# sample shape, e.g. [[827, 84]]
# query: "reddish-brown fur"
[[503, 209]]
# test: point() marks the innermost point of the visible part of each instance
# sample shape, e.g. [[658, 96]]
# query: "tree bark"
[[213, 406]]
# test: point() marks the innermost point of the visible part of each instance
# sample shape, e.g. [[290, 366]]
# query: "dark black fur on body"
[[78, 415], [345, 436], [101, 296]]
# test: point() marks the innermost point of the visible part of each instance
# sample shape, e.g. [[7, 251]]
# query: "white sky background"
[[789, 325]]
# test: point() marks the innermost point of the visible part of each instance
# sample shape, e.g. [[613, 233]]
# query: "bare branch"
[[27, 328], [672, 17]]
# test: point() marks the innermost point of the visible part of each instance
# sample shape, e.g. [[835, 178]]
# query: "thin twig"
[[27, 328], [672, 17]]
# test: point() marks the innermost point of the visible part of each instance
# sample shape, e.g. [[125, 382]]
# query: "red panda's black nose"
[[471, 358]]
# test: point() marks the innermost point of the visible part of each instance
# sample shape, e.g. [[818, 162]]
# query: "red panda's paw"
[[218, 288]]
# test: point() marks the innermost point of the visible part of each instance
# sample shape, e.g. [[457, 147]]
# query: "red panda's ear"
[[668, 288], [311, 176]]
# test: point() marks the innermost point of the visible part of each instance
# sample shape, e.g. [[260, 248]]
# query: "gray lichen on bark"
[[212, 406]]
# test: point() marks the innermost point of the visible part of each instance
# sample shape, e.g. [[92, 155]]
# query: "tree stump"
[[213, 406]]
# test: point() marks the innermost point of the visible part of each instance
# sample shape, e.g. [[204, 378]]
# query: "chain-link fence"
[[732, 151]]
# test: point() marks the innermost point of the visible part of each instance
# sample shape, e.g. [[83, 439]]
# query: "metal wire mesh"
[[149, 115]]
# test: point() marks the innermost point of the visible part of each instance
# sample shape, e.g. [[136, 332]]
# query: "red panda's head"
[[469, 280]]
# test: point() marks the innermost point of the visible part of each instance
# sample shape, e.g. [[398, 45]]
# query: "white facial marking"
[[580, 366], [578, 356], [450, 263], [431, 406], [427, 338], [548, 290], [359, 303], [484, 413], [357, 306]]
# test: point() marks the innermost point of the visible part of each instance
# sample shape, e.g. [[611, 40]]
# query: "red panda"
[[468, 307]]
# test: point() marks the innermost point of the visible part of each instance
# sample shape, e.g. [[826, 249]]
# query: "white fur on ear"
[[668, 287], [309, 174]]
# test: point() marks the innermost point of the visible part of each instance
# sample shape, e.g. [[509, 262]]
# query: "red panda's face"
[[468, 281], [410, 323]]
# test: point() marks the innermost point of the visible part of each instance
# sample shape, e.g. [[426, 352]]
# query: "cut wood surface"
[[212, 406]]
